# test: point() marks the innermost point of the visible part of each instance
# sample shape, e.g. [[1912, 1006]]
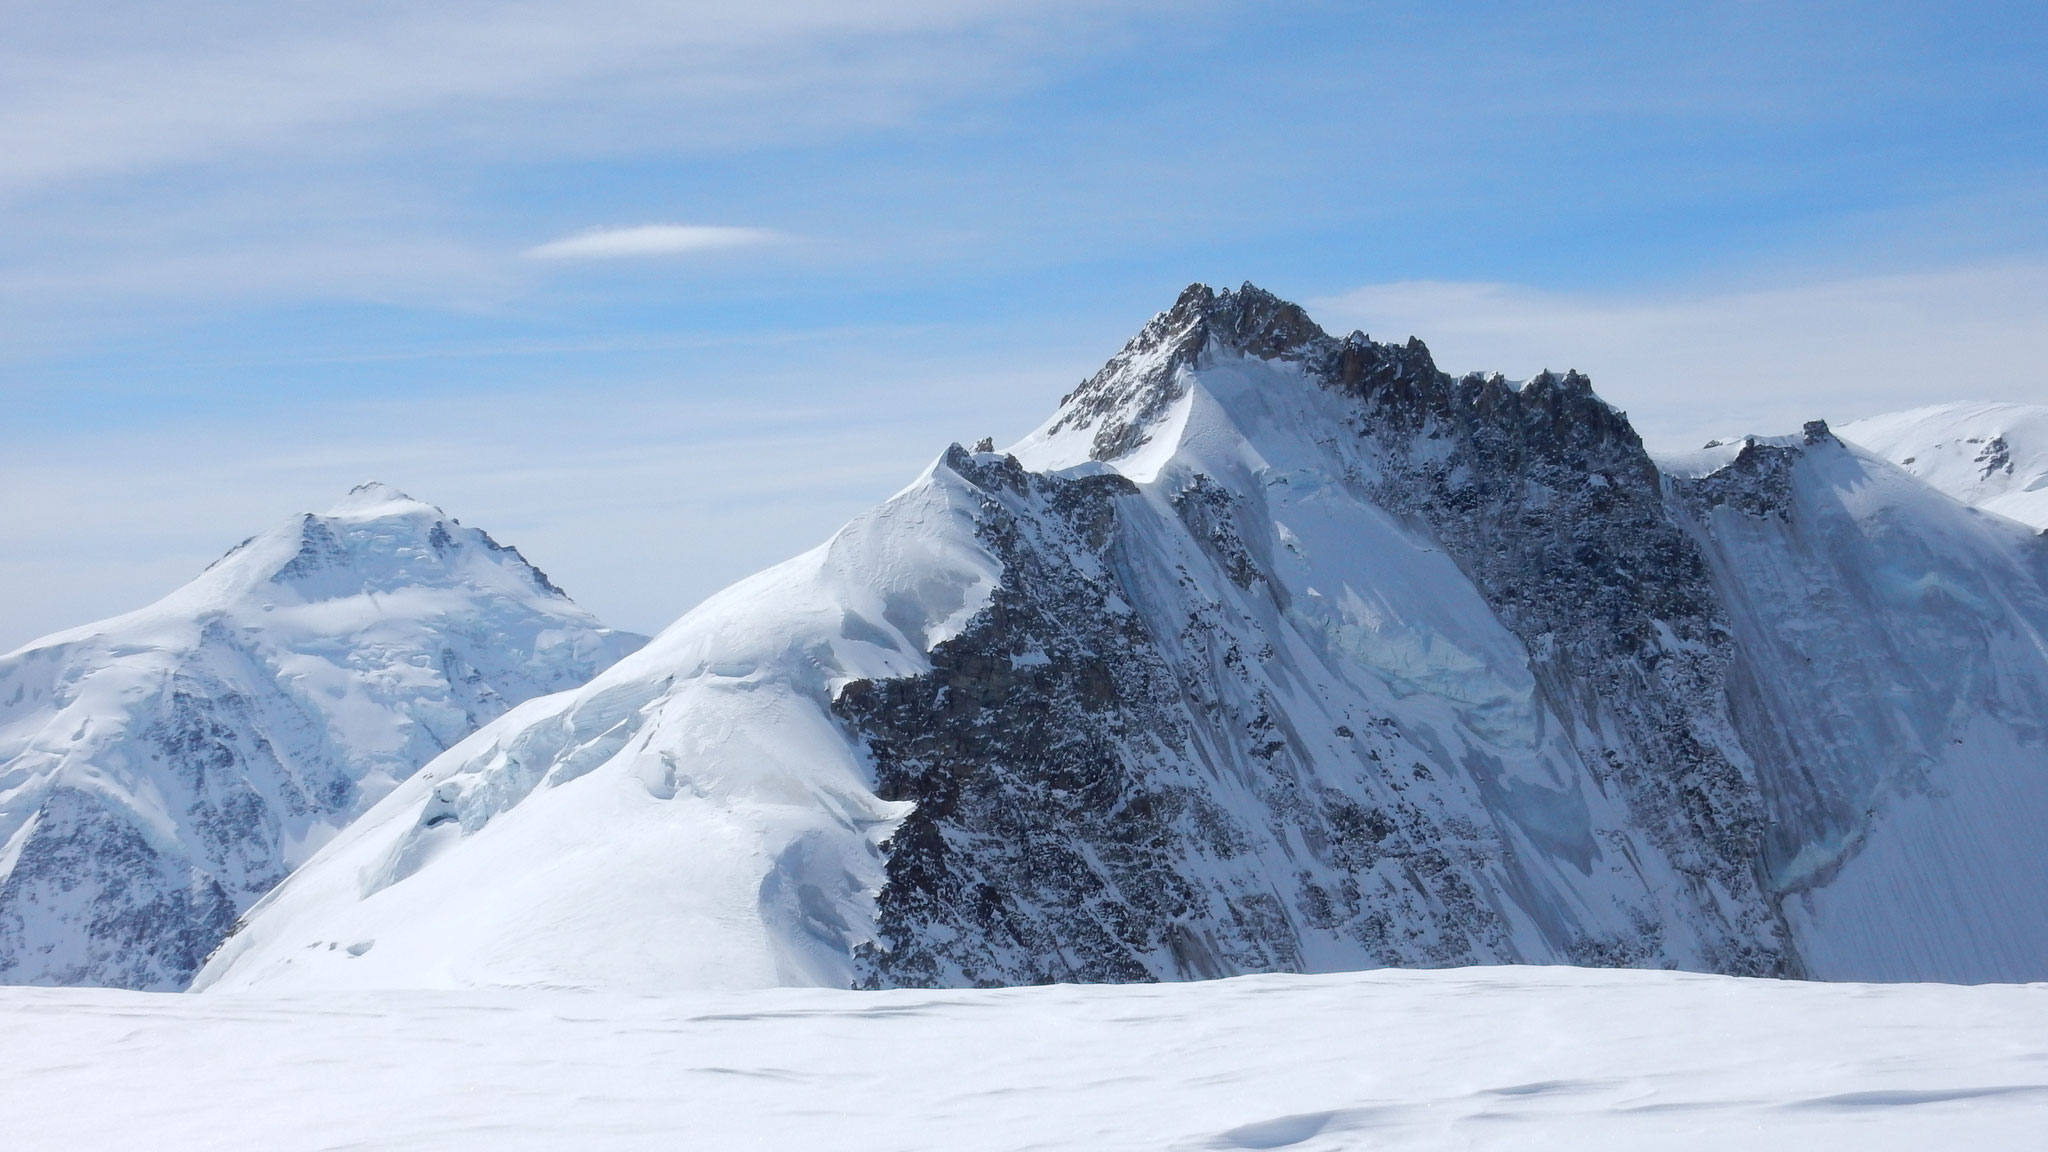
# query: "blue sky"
[[664, 292]]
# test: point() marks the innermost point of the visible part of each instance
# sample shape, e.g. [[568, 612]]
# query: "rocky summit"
[[1269, 651]]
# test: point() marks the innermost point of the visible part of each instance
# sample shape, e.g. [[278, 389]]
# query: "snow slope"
[[161, 770], [691, 818], [1994, 456], [1270, 651], [1891, 686], [1507, 1058]]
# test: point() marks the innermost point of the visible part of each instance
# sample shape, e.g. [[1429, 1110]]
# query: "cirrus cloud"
[[651, 240]]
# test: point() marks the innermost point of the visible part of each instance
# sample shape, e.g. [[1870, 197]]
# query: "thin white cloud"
[[651, 240], [1691, 366], [127, 87], [331, 151]]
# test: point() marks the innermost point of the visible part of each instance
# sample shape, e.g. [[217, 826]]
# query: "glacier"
[[1270, 651], [161, 770]]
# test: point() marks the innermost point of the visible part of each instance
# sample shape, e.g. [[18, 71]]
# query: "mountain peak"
[[1140, 384], [375, 539], [1249, 320], [1253, 321], [1991, 455]]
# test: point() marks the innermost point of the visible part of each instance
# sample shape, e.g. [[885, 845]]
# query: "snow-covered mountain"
[[161, 770], [1269, 651], [1994, 456]]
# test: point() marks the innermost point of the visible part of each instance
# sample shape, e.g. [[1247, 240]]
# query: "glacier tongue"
[[1269, 651], [160, 771]]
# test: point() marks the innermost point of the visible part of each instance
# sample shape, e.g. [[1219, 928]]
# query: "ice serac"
[[160, 771], [1270, 650]]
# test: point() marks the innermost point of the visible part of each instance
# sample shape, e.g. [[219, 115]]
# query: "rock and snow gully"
[[1270, 651]]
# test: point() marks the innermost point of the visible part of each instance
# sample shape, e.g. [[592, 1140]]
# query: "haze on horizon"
[[663, 294]]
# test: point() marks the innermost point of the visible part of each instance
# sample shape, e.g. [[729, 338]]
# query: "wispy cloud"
[[1689, 366], [225, 75], [161, 165], [651, 240]]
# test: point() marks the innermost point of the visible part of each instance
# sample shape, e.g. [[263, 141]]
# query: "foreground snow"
[[1464, 1058]]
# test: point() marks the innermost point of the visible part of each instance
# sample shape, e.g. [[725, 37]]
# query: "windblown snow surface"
[[1477, 1058], [1270, 651], [1994, 456], [161, 770]]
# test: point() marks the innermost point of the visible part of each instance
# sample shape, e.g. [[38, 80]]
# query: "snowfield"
[[1522, 1058], [1993, 456]]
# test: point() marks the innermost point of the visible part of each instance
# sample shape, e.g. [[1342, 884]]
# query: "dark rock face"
[[1995, 458], [1096, 803], [1758, 482], [79, 855], [1039, 849], [319, 550], [150, 916], [1553, 509], [540, 578], [1101, 797]]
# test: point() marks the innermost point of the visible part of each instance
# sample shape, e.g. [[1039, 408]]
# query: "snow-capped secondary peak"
[[375, 540], [377, 498], [161, 770], [1268, 651]]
